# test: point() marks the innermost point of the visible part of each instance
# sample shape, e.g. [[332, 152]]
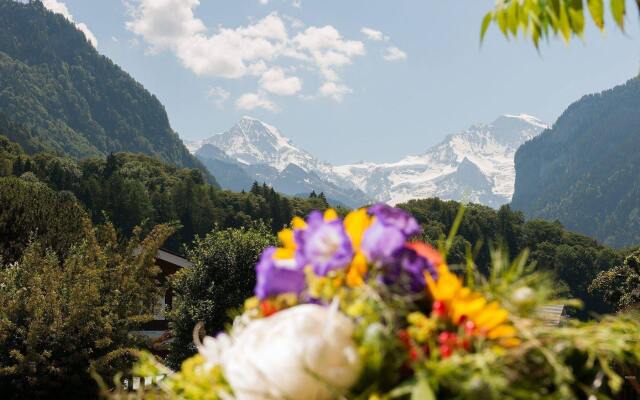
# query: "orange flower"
[[464, 306]]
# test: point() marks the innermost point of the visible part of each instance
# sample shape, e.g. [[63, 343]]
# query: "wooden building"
[[158, 329]]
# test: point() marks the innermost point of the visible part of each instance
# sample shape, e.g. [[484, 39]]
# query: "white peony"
[[305, 352]]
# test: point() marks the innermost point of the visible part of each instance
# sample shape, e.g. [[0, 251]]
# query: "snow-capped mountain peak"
[[445, 170], [476, 164], [251, 142]]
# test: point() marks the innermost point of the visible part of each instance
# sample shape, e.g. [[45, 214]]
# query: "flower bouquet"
[[357, 308]]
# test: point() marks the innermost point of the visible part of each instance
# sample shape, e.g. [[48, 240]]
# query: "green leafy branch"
[[541, 19]]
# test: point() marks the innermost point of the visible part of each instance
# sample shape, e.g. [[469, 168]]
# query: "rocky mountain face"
[[474, 165]]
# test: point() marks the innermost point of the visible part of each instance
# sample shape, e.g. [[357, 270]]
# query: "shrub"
[[222, 277]]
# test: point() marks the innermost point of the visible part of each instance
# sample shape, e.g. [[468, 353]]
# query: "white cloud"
[[296, 3], [258, 68], [274, 81], [334, 90], [219, 95], [171, 24], [296, 23], [263, 2], [372, 34], [59, 7], [261, 48], [328, 49], [394, 54], [251, 101]]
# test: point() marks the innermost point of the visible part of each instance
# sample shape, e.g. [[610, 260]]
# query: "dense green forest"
[[585, 171], [129, 190], [72, 100]]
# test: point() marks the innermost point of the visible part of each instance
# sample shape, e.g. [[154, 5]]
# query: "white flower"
[[305, 352], [213, 350], [523, 296]]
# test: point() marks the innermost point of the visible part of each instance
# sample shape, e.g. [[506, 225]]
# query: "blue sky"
[[343, 93]]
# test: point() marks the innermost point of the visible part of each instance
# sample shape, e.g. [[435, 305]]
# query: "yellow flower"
[[446, 287], [355, 224], [462, 305], [330, 215], [286, 237], [298, 223], [288, 248], [357, 270]]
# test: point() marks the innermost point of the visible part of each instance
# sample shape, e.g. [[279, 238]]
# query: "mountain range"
[[474, 165]]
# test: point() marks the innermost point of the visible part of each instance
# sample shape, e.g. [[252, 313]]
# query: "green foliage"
[[620, 285], [541, 19], [62, 319], [132, 189], [222, 277], [573, 258], [584, 172], [30, 209], [567, 362], [72, 100]]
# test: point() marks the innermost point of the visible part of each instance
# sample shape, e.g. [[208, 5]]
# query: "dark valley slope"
[[71, 99], [585, 171]]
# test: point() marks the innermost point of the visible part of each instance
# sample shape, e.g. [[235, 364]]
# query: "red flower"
[[439, 308], [267, 308], [426, 251]]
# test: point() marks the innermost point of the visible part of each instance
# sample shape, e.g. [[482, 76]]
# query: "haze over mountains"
[[474, 165]]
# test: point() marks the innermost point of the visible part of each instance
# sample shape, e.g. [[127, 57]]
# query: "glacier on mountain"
[[474, 165]]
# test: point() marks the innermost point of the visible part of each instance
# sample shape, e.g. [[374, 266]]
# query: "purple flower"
[[324, 245], [409, 267], [395, 217], [277, 276], [380, 242]]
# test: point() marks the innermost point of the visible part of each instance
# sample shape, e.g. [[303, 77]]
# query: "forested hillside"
[[573, 258], [69, 98], [585, 171], [129, 190]]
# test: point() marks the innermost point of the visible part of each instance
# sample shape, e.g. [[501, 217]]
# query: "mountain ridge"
[[445, 170], [73, 100], [585, 170]]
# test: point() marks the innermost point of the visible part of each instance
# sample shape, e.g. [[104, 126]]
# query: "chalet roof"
[[173, 258], [552, 314]]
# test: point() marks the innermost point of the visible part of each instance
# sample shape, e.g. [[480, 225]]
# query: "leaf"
[[563, 22], [596, 8], [485, 25], [618, 11], [535, 35], [422, 390], [512, 17], [503, 23], [577, 21]]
